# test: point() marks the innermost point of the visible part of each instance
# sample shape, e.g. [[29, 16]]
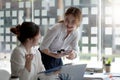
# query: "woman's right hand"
[[28, 61]]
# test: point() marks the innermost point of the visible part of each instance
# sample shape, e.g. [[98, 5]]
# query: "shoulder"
[[18, 51], [56, 26]]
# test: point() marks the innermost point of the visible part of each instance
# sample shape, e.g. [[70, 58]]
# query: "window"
[[100, 24]]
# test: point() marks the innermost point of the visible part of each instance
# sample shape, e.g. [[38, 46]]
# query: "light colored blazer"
[[18, 64]]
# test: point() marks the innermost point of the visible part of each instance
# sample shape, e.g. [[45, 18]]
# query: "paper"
[[94, 1], [44, 12], [108, 51], [1, 30], [94, 40], [108, 20], [8, 4], [94, 50], [67, 2], [108, 10], [37, 13], [76, 2], [116, 75], [85, 20], [14, 39], [8, 47], [59, 12], [7, 38], [7, 13], [94, 10], [1, 22], [14, 21], [7, 30], [21, 4], [1, 14], [37, 21], [84, 50], [117, 40], [14, 13], [117, 30], [108, 30], [52, 21], [1, 38], [94, 30], [44, 21], [85, 40], [43, 3], [21, 13], [52, 3], [84, 10], [28, 5]]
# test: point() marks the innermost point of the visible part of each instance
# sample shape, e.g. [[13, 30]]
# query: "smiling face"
[[70, 22], [72, 18]]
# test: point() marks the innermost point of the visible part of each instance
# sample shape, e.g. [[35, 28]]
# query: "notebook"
[[72, 72]]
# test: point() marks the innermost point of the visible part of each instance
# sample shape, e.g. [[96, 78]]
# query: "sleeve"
[[75, 44], [18, 65], [40, 63], [50, 36]]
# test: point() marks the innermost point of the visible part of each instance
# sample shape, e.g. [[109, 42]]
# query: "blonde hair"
[[76, 12]]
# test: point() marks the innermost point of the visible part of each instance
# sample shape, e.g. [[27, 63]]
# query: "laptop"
[[68, 72], [72, 72]]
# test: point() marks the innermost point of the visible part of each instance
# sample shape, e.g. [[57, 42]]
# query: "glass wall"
[[110, 28], [99, 29]]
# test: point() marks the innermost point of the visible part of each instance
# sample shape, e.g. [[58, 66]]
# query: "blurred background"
[[100, 27]]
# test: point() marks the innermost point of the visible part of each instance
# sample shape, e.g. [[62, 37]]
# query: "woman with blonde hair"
[[63, 36]]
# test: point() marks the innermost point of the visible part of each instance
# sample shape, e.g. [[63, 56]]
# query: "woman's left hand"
[[71, 55]]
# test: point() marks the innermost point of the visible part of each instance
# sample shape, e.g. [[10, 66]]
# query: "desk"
[[96, 76], [101, 76], [115, 71]]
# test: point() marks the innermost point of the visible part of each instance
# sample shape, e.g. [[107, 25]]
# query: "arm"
[[48, 40], [49, 37], [75, 48]]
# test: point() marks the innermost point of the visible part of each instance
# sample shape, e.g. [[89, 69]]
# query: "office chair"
[[4, 75]]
